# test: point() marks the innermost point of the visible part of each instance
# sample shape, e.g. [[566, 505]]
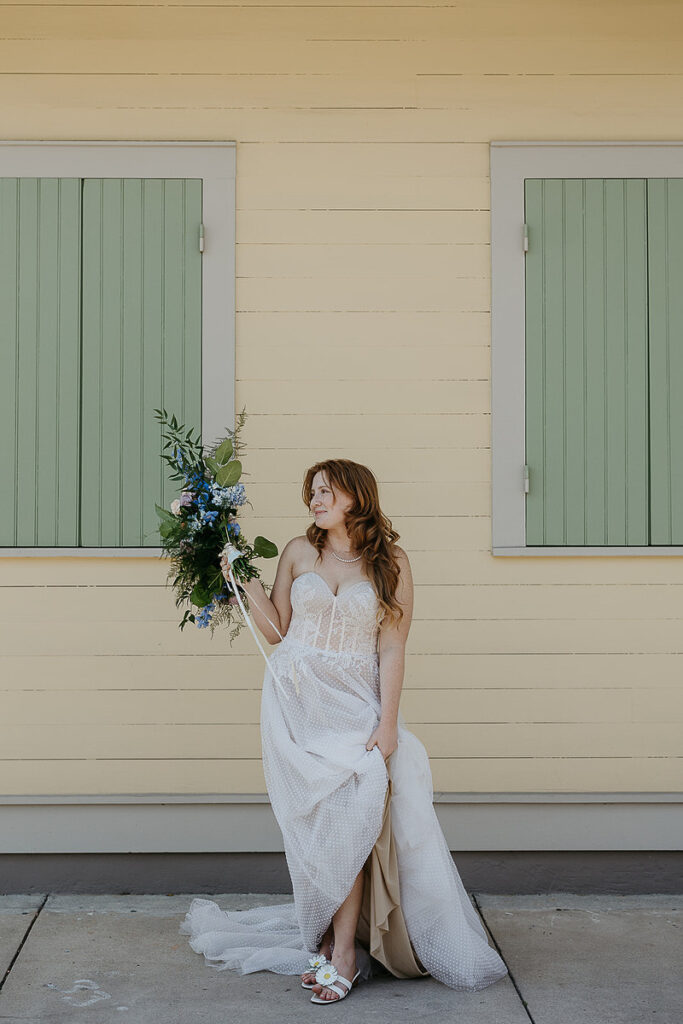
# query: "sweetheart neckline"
[[311, 572]]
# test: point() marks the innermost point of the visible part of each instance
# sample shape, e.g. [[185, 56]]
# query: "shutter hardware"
[[201, 238]]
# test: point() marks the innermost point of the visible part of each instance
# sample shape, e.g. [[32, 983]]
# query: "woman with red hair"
[[374, 882]]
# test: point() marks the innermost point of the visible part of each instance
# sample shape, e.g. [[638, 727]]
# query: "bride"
[[350, 786]]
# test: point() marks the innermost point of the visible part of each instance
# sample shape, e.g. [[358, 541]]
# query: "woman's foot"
[[345, 962], [326, 947]]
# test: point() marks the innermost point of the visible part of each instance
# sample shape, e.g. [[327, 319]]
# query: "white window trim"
[[214, 163], [510, 164]]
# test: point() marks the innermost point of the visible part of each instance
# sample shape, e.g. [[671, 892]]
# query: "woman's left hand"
[[385, 737]]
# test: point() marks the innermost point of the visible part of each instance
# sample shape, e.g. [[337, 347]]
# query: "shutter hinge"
[[526, 237], [526, 479], [201, 238]]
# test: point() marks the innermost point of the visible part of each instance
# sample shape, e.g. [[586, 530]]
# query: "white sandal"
[[326, 976], [315, 962]]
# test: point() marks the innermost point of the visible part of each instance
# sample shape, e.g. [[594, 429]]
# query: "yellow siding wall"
[[363, 330]]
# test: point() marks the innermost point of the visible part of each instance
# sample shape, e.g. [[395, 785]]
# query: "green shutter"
[[665, 254], [141, 348], [39, 361], [586, 362]]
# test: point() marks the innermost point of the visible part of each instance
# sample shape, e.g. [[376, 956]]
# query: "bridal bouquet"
[[202, 524]]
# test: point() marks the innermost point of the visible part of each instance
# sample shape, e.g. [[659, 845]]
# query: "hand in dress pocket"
[[385, 737]]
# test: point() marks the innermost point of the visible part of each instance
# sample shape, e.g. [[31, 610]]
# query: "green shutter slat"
[[141, 348], [665, 253], [586, 362], [39, 361]]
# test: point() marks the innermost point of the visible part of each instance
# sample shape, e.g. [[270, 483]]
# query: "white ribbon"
[[231, 553]]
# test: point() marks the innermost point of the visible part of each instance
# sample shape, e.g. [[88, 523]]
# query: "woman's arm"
[[277, 607], [392, 644]]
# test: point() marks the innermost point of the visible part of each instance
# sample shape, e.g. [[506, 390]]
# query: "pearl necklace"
[[346, 559]]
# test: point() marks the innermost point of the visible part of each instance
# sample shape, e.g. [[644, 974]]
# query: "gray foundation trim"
[[245, 824], [213, 162], [440, 797], [510, 163], [213, 875]]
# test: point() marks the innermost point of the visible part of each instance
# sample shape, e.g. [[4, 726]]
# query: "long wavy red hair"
[[368, 529]]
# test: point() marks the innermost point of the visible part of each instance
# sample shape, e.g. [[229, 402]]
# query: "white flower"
[[175, 507], [317, 961], [326, 974]]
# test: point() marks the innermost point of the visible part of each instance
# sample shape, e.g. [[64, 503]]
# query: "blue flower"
[[237, 494], [228, 497], [193, 525], [203, 617]]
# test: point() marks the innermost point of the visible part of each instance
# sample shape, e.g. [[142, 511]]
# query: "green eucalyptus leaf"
[[229, 474], [224, 451], [264, 547], [163, 513]]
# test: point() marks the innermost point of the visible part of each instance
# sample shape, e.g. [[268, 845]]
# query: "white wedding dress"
[[328, 791]]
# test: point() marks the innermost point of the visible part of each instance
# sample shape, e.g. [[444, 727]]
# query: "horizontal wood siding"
[[363, 328]]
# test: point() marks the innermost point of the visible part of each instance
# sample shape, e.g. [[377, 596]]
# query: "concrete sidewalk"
[[589, 959]]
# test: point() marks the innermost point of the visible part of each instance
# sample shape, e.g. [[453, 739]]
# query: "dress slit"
[[381, 928]]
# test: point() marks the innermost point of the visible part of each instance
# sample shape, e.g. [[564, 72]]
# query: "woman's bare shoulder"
[[295, 550], [297, 545], [295, 542]]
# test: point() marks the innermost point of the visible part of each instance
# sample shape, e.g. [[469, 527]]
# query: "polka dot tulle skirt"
[[327, 792]]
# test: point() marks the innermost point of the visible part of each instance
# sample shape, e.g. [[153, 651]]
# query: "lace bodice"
[[345, 622]]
